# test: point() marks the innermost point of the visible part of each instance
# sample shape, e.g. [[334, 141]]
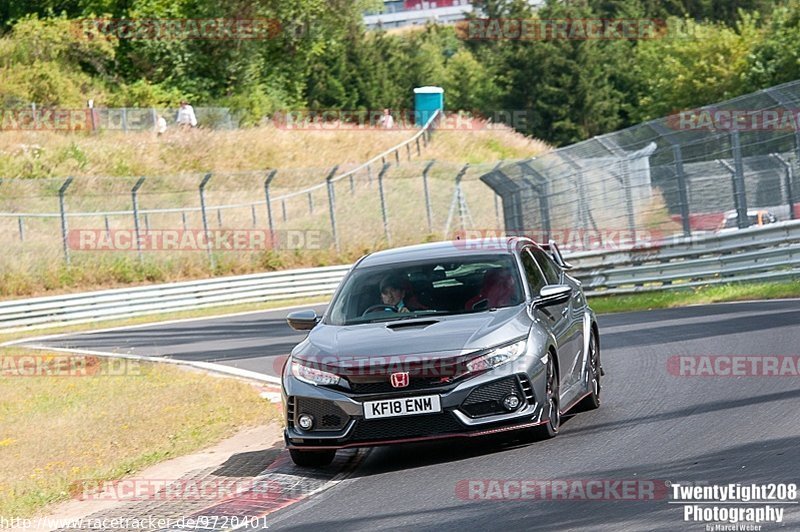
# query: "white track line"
[[207, 366], [153, 324]]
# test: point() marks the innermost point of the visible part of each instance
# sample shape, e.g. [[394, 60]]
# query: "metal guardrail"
[[765, 253], [756, 254], [73, 309]]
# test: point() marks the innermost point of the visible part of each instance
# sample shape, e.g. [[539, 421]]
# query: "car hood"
[[440, 337]]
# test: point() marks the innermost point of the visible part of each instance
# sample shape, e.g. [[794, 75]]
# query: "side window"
[[551, 271], [532, 272]]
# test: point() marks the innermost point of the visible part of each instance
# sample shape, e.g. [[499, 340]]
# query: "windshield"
[[435, 287]]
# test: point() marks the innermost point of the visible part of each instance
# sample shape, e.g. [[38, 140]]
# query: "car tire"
[[550, 429], [592, 401], [312, 458]]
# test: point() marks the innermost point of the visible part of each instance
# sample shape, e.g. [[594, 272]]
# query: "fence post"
[[352, 185], [21, 224], [428, 208], [283, 209], [497, 199], [408, 151], [369, 175], [541, 187], [584, 213], [108, 226], [146, 222], [135, 201], [457, 203], [397, 157], [203, 184], [125, 119], [384, 214], [683, 191], [219, 217], [183, 219], [310, 203], [253, 214], [62, 208], [418, 150], [332, 205], [788, 178], [736, 195], [738, 181], [624, 179], [267, 182]]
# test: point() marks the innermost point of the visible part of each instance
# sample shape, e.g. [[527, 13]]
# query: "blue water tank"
[[427, 100]]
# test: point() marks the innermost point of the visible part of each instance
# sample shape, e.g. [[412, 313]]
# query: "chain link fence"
[[235, 222], [715, 169], [374, 205]]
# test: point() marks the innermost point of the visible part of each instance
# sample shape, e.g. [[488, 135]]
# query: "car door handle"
[[564, 311]]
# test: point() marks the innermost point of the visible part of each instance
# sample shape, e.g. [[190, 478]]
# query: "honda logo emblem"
[[400, 380]]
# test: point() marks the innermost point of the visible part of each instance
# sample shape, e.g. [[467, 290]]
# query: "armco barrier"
[[755, 254], [770, 252], [45, 312]]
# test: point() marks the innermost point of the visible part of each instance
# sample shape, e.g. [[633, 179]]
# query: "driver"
[[393, 292]]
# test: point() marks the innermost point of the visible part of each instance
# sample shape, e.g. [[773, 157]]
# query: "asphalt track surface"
[[653, 425], [252, 341]]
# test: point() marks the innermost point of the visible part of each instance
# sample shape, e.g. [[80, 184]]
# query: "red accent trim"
[[420, 438], [575, 402]]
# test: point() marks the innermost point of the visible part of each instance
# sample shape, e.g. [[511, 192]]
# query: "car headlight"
[[497, 357], [314, 376]]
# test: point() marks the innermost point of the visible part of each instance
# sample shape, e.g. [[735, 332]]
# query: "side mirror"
[[302, 320], [553, 294]]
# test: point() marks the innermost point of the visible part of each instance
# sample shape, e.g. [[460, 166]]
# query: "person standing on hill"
[[161, 125], [186, 117], [387, 120]]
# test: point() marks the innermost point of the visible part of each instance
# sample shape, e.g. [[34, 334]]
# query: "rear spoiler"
[[552, 248]]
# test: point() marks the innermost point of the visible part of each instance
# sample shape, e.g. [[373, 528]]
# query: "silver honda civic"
[[444, 340]]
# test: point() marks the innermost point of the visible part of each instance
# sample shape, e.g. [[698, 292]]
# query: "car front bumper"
[[470, 408]]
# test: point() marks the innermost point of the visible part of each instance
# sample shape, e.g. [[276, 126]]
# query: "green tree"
[[677, 74], [775, 58]]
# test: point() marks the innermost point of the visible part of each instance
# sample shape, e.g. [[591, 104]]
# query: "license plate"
[[406, 406]]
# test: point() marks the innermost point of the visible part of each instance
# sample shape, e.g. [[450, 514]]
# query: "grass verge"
[[696, 296], [56, 431]]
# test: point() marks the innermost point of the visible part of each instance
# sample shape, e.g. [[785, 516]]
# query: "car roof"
[[445, 249]]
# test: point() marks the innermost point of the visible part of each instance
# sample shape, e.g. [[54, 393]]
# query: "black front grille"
[[327, 416], [406, 427], [487, 400], [384, 385]]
